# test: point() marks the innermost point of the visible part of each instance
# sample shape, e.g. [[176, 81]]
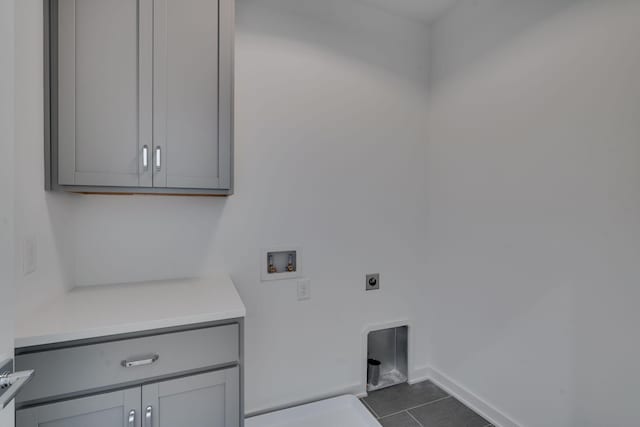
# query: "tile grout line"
[[416, 407], [411, 416], [375, 414], [414, 418]]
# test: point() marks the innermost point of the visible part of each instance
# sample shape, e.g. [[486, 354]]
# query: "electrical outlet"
[[30, 255], [372, 282], [304, 289]]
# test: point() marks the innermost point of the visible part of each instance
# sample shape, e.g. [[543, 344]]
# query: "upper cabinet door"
[[104, 92], [193, 78]]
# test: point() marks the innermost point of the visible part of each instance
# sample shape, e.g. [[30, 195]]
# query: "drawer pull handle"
[[143, 361], [132, 418], [158, 158], [145, 157], [148, 422]]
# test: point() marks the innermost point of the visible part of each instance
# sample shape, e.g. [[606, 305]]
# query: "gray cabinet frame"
[[226, 17], [231, 375]]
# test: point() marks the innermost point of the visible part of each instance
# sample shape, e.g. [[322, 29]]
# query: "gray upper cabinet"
[[117, 409], [102, 93], [140, 96], [186, 97]]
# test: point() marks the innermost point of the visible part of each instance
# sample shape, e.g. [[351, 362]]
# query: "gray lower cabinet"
[[185, 377], [205, 400], [139, 96], [104, 410]]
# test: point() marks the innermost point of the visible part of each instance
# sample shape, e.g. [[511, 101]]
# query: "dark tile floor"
[[420, 405]]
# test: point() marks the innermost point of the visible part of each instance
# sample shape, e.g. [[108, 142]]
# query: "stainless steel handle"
[[158, 158], [145, 157], [147, 416], [141, 361], [132, 418]]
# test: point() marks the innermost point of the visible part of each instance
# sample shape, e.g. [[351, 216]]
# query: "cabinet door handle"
[[143, 361], [132, 418], [158, 158], [147, 416], [145, 157]]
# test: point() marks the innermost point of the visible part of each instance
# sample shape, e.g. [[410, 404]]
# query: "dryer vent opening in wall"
[[389, 347]]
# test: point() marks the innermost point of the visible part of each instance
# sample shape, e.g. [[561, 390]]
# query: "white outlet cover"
[[30, 255], [304, 289]]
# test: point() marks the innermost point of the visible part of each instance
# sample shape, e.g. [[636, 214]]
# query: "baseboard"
[[419, 375], [497, 418]]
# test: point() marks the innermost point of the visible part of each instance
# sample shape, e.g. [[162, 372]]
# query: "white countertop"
[[117, 309]]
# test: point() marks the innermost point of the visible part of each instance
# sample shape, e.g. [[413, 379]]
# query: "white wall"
[[47, 218], [329, 156], [533, 172], [7, 142]]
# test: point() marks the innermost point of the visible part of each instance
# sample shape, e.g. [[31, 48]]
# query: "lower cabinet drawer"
[[96, 366]]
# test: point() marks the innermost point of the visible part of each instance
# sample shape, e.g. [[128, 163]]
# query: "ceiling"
[[424, 10]]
